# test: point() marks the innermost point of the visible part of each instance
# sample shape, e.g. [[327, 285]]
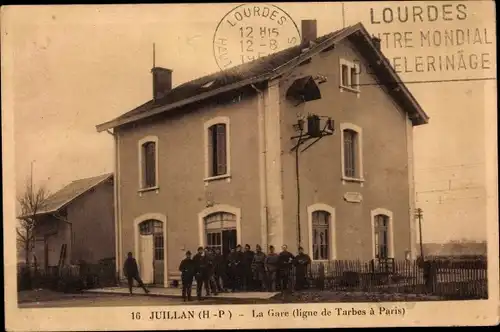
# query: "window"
[[321, 235], [381, 233], [217, 149], [148, 162], [159, 247], [349, 75], [352, 152], [214, 240], [350, 143], [217, 155]]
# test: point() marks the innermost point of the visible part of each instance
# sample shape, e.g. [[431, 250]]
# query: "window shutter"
[[210, 147], [221, 149]]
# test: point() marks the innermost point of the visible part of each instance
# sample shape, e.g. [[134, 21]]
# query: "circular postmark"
[[252, 31]]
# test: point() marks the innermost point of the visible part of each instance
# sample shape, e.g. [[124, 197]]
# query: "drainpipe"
[[118, 258], [262, 168]]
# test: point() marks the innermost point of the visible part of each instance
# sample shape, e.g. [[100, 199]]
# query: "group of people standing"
[[242, 270]]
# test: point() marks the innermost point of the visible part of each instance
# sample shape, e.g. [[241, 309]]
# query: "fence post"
[[321, 276]]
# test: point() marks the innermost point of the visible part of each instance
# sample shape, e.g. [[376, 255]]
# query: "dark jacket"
[[187, 268], [285, 260], [201, 264], [235, 259], [130, 267], [211, 262], [302, 261], [248, 258], [219, 263], [271, 262]]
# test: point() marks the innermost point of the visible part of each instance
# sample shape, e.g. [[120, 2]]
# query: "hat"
[[200, 248], [188, 252]]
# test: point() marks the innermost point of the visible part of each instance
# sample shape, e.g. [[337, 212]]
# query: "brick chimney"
[[376, 42], [162, 82], [309, 32]]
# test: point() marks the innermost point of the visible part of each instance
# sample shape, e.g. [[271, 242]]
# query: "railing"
[[451, 280]]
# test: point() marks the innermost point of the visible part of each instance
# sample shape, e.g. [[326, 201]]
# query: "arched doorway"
[[221, 231], [151, 251]]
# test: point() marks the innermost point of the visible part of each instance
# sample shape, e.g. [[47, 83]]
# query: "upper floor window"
[[349, 75], [352, 166], [217, 148], [148, 162]]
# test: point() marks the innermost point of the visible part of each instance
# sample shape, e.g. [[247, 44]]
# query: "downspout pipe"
[[262, 168], [118, 258]]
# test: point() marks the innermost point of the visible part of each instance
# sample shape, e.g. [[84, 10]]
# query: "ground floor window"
[[220, 231], [381, 229], [321, 235]]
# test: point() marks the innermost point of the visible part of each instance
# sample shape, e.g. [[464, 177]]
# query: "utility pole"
[[343, 16], [420, 215], [31, 176]]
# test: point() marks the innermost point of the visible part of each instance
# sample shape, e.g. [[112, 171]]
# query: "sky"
[[78, 66]]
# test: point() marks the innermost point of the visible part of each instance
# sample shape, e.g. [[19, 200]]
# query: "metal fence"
[[449, 279]]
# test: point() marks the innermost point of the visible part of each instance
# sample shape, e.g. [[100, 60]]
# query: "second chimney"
[[309, 32], [162, 82], [376, 41]]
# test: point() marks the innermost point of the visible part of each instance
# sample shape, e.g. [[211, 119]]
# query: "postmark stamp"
[[252, 31]]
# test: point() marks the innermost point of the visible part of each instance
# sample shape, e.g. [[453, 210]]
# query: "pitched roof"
[[70, 192], [266, 68]]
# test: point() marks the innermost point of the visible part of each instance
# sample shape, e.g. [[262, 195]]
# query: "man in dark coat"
[[131, 271], [201, 271], [272, 268], [219, 270], [258, 269], [248, 255], [212, 288], [235, 260], [285, 262], [187, 268], [302, 263]]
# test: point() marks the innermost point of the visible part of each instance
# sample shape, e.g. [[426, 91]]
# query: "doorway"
[[151, 252], [220, 230], [228, 241]]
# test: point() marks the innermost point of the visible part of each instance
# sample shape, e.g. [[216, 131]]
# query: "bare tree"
[[32, 201]]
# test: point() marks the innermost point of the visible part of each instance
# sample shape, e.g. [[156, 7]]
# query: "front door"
[[146, 258], [228, 241]]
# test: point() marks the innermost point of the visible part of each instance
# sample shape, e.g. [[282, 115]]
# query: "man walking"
[[271, 266], [248, 255], [258, 269], [285, 260], [302, 262], [201, 272], [187, 268], [131, 271]]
